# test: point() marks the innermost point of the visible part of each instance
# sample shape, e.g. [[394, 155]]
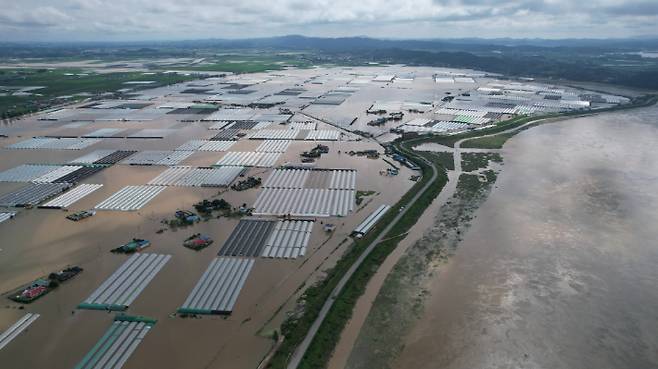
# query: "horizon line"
[[173, 40]]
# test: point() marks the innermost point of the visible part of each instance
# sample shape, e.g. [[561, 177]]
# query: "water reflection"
[[559, 268]]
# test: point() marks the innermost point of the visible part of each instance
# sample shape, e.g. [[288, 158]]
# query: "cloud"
[[638, 8], [180, 19], [38, 17]]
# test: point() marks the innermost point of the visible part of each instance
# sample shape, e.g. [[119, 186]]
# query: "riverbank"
[[471, 192], [333, 315], [400, 300], [506, 129], [496, 141], [556, 269]]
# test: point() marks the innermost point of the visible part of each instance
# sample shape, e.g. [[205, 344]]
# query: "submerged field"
[[58, 86], [551, 261], [315, 161], [400, 302], [250, 62]]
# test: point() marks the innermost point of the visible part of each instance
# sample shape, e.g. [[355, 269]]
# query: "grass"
[[472, 161], [499, 127], [471, 184], [400, 301], [490, 142], [17, 105], [471, 190], [239, 68], [637, 102], [497, 141], [362, 194], [250, 63], [327, 337], [295, 328], [58, 84], [446, 160]]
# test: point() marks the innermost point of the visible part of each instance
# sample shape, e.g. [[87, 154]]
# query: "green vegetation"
[[495, 143], [556, 63], [58, 82], [471, 189], [122, 317], [399, 302], [249, 63], [246, 184], [295, 328], [218, 208], [471, 184], [182, 219], [489, 142], [14, 106], [472, 161], [446, 160], [41, 286], [609, 62], [68, 85], [207, 207], [498, 127], [361, 194]]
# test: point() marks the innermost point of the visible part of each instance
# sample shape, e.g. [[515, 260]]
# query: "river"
[[560, 266]]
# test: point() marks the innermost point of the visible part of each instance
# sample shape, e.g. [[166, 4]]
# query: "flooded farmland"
[[319, 132], [559, 267], [38, 241]]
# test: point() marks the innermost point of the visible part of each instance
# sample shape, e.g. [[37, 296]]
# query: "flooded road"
[[560, 266]]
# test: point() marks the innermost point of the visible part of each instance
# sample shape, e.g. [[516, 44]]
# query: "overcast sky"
[[57, 20]]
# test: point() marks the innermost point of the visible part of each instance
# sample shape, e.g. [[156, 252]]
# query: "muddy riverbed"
[[559, 267], [39, 241]]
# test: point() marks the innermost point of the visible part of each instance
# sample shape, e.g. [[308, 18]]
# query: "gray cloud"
[[638, 8], [180, 19]]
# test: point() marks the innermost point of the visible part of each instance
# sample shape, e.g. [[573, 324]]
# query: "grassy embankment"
[[446, 160], [472, 161], [400, 302], [61, 88], [497, 141], [296, 328]]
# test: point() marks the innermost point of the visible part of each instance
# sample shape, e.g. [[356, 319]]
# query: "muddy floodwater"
[[560, 267]]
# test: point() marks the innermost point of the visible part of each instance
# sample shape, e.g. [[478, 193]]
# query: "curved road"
[[303, 346], [457, 153]]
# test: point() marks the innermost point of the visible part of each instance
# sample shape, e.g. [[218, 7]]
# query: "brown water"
[[559, 269], [41, 240], [350, 334], [38, 241]]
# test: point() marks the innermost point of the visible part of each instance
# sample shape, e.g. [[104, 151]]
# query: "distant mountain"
[[592, 60], [348, 43], [298, 42]]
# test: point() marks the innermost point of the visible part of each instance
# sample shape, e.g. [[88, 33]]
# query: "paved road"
[[457, 149], [301, 349], [458, 143], [325, 121]]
